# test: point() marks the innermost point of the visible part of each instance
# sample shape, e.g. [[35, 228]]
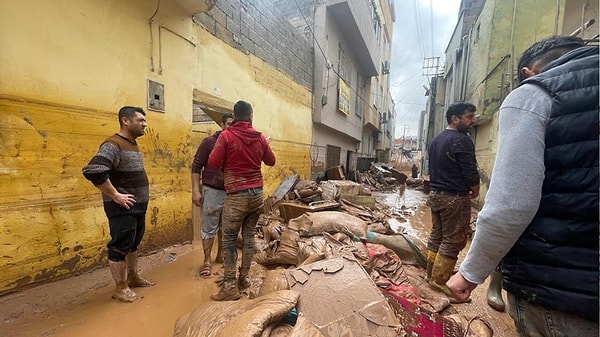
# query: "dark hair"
[[547, 50], [242, 111], [459, 109], [225, 117], [129, 112]]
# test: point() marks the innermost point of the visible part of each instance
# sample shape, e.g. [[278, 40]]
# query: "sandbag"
[[309, 224], [277, 330], [275, 280], [304, 328], [272, 231], [307, 251], [283, 251], [410, 249], [246, 318]]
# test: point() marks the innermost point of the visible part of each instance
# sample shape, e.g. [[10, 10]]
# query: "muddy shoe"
[[244, 282], [134, 281], [126, 295], [228, 292]]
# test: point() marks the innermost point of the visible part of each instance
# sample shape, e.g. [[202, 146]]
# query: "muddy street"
[[81, 306]]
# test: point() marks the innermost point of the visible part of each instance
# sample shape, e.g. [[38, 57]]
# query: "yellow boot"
[[441, 272], [430, 261]]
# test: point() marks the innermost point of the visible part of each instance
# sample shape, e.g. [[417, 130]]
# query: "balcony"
[[372, 119], [356, 25]]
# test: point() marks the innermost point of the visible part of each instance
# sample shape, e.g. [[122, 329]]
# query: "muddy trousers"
[[450, 217], [126, 233], [241, 211]]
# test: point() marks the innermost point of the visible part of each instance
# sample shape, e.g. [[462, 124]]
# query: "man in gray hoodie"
[[541, 211]]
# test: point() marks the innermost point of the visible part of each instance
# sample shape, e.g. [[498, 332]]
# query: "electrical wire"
[[419, 26]]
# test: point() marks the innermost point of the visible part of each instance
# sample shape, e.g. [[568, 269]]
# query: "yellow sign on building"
[[343, 97]]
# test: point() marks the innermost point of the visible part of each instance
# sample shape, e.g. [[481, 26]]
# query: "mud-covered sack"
[[246, 318], [274, 281], [309, 224], [304, 328], [282, 251], [409, 248]]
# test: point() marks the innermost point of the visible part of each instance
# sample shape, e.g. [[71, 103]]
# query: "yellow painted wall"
[[66, 67]]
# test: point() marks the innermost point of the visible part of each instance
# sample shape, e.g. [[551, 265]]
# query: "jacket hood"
[[245, 132]]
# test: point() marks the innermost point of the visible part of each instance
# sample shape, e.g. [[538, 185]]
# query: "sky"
[[412, 42]]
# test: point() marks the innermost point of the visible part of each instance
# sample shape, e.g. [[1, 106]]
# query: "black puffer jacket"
[[555, 261]]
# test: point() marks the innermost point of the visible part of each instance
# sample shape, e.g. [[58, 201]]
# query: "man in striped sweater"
[[117, 170]]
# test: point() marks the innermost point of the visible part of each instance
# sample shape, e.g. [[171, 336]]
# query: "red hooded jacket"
[[239, 152]]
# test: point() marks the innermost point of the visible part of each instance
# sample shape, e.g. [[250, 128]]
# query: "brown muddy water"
[[81, 306]]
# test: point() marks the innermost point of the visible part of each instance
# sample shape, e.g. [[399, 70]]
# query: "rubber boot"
[[244, 279], [133, 278], [122, 291], [443, 268], [430, 261], [494, 293], [229, 292]]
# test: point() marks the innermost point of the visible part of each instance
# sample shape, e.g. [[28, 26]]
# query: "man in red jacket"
[[239, 152]]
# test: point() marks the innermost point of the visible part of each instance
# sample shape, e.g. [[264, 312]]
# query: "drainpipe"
[[556, 17], [152, 36], [583, 18], [512, 46], [464, 67]]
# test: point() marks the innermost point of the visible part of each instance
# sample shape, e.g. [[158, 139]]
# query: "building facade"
[[483, 53], [353, 113], [65, 74]]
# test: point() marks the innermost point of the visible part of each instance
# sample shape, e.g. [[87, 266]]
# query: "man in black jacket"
[[454, 180]]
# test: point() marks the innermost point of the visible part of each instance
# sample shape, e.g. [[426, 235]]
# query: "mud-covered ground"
[[81, 306]]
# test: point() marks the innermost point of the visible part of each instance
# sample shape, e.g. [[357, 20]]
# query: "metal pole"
[[403, 146]]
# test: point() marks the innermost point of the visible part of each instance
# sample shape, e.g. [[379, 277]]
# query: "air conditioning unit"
[[386, 67]]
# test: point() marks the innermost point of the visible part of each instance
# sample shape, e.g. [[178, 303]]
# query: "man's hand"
[[197, 198], [459, 287], [125, 200], [474, 193]]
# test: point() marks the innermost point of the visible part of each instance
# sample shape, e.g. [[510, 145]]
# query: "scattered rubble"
[[328, 263]]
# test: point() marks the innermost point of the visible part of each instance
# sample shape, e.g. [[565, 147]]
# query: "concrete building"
[[447, 86], [353, 113], [483, 52], [67, 66]]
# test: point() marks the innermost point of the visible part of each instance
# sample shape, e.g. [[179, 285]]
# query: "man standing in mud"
[[239, 151], [208, 192], [540, 218], [454, 180], [117, 170]]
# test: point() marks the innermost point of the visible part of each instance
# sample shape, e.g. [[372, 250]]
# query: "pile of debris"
[[328, 263], [383, 178]]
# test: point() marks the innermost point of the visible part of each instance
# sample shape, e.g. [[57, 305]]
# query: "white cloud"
[[415, 38]]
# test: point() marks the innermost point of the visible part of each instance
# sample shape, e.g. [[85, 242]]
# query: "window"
[[344, 65]]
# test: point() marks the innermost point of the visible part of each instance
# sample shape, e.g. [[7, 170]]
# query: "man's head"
[[461, 116], [539, 54], [226, 120], [132, 121], [242, 111]]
